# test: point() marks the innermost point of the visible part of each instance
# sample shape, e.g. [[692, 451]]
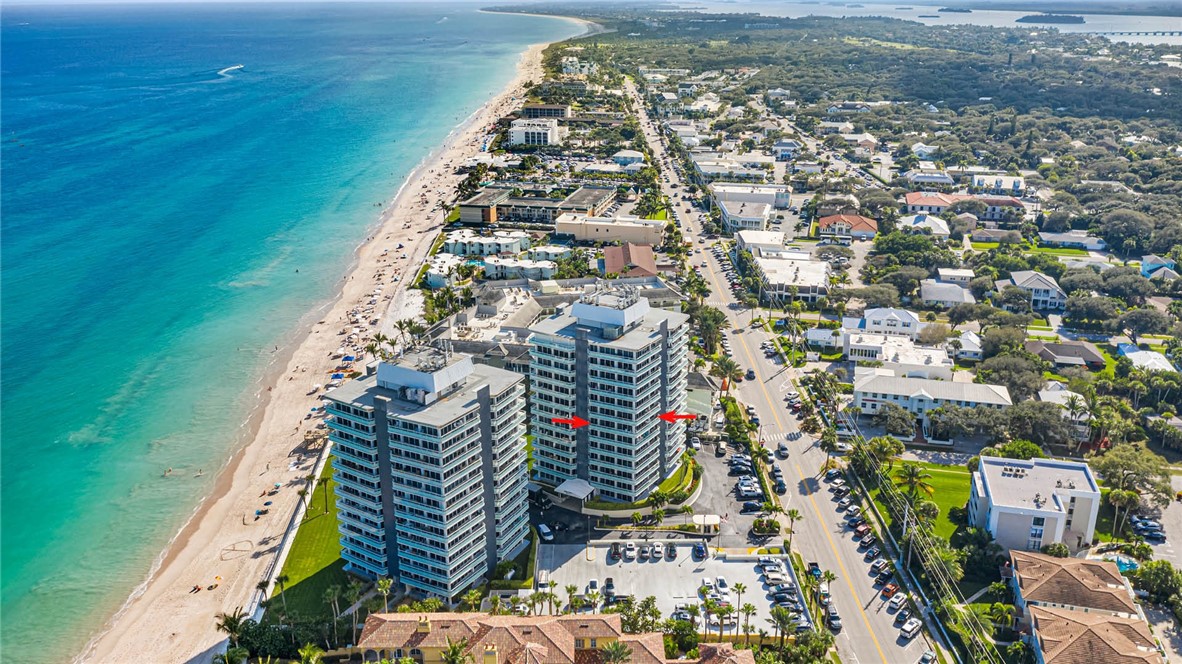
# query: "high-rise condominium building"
[[617, 363], [430, 470]]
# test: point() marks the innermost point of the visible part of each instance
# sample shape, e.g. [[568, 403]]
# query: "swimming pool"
[[1124, 563]]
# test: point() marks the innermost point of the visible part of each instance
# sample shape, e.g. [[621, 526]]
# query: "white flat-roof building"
[[1028, 504], [535, 131], [441, 270], [624, 228], [898, 354], [778, 196], [616, 362], [737, 216], [787, 276], [920, 395], [760, 243], [955, 275], [1000, 184], [430, 470], [466, 242], [549, 252], [496, 267]]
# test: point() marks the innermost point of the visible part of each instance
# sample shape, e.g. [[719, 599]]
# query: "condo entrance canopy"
[[575, 488]]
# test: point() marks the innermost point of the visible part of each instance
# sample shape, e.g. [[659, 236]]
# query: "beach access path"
[[166, 621]]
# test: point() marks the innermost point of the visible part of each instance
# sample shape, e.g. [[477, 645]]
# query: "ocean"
[[183, 186]]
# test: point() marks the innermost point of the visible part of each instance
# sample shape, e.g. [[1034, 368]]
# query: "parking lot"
[[670, 582]]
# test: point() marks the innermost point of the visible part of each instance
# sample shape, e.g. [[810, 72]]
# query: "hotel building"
[[430, 470], [613, 360]]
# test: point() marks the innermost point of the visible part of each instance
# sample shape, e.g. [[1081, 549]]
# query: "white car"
[[898, 600], [630, 551], [721, 584], [911, 628], [707, 584], [658, 552]]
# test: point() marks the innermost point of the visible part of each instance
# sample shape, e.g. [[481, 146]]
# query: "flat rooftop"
[[587, 197], [361, 392], [486, 197], [563, 324], [1033, 484]]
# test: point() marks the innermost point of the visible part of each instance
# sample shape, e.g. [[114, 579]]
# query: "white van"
[[545, 533]]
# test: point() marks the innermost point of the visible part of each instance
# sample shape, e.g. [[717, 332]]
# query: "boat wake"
[[225, 73], [441, 20]]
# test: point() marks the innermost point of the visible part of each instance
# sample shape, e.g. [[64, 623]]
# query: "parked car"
[[878, 566], [872, 553], [884, 577], [833, 618], [867, 540], [615, 552], [609, 587], [781, 487], [911, 628], [902, 616], [671, 551], [630, 551], [545, 533], [889, 590], [700, 551], [898, 601]]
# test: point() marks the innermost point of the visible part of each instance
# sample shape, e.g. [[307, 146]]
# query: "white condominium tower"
[[610, 359], [430, 470]]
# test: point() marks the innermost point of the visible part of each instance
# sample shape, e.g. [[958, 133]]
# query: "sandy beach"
[[225, 543]]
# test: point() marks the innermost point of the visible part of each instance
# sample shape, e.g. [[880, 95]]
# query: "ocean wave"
[[225, 73]]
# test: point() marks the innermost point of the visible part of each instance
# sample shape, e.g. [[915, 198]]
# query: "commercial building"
[[495, 204], [791, 276], [613, 360], [1028, 504], [739, 215], [623, 228], [760, 243], [921, 395], [512, 639], [747, 206], [430, 470], [535, 131]]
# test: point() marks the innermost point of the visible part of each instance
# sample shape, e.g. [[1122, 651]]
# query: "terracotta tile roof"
[[646, 648], [549, 639], [630, 260], [1093, 584], [934, 198], [856, 222], [724, 653], [1075, 637]]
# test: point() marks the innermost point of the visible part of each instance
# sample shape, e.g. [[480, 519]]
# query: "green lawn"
[[314, 562], [1060, 251], [659, 214], [951, 485], [983, 246]]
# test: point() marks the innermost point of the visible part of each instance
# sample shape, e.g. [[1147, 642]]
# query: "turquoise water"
[[156, 208]]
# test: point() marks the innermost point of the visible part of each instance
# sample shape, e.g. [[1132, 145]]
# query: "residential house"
[[1074, 239], [786, 149], [1028, 504], [1067, 353], [952, 275], [847, 225], [778, 93], [924, 151], [837, 204], [1151, 264], [919, 396], [1044, 290], [629, 260], [937, 293], [1078, 585], [933, 202], [1061, 636], [995, 235], [827, 128], [966, 347], [925, 177], [862, 140], [848, 107], [885, 321], [1146, 360], [925, 223]]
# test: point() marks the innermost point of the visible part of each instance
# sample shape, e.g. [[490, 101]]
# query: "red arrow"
[[574, 422], [672, 417]]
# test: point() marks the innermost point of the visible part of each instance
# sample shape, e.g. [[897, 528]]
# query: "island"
[[954, 10], [1051, 18]]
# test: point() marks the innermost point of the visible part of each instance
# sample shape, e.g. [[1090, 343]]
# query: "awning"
[[575, 488]]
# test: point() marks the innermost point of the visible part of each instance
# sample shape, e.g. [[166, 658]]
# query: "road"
[[869, 633]]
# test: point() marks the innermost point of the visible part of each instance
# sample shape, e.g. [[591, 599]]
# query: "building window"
[[594, 644]]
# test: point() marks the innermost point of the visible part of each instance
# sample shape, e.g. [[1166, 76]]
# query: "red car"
[[889, 590]]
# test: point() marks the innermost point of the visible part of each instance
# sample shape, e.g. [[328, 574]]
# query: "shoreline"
[[162, 620]]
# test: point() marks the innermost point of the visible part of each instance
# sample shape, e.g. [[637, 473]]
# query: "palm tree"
[[456, 652], [747, 610], [472, 599], [571, 589], [232, 624], [232, 656], [593, 600], [324, 482], [1121, 499], [332, 597], [281, 581], [722, 613], [615, 652], [352, 594], [384, 585], [688, 511], [782, 620], [494, 605], [1001, 614], [310, 654], [828, 445], [913, 479], [728, 370], [551, 595], [793, 516], [694, 612]]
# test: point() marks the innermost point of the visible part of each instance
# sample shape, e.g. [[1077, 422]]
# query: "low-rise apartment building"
[[897, 354], [922, 395], [792, 275], [466, 242], [1074, 637], [1026, 505], [623, 228], [1081, 585], [535, 131], [429, 466], [497, 204], [496, 267]]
